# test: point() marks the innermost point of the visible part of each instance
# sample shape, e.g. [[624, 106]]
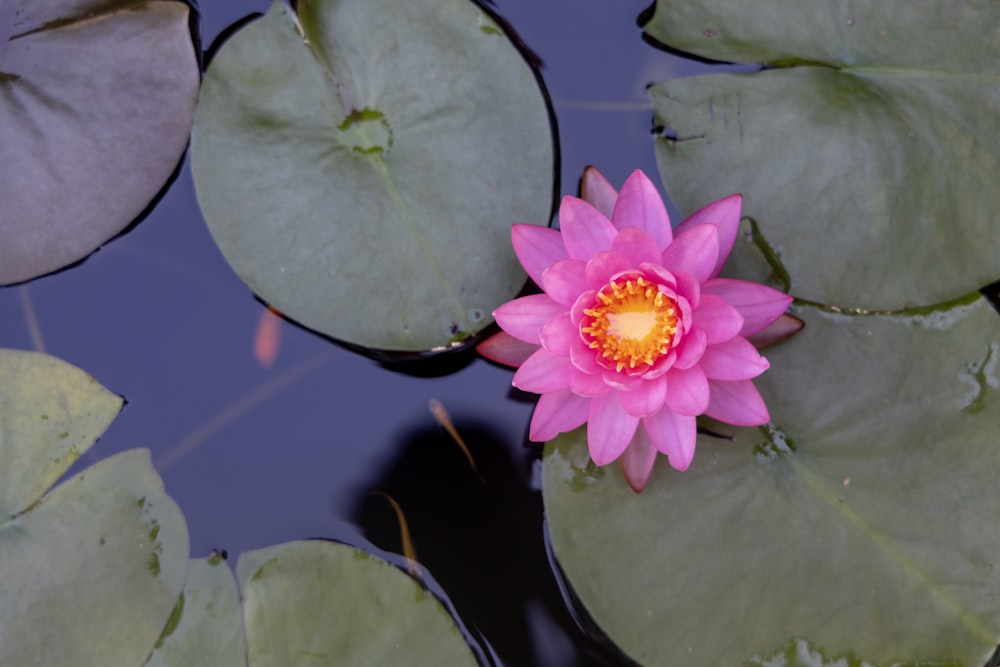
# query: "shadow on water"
[[482, 539]]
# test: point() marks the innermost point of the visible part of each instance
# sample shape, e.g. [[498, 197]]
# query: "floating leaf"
[[50, 414], [864, 32], [879, 133], [107, 549], [97, 99], [205, 628], [860, 521], [360, 166], [339, 604]]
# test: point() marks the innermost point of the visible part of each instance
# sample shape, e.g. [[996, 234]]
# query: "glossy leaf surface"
[[106, 549], [341, 605], [868, 156], [360, 165], [859, 521], [97, 99]]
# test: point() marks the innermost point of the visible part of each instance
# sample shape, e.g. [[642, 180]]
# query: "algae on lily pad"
[[105, 549], [360, 164], [868, 151], [860, 521], [205, 628], [97, 99]]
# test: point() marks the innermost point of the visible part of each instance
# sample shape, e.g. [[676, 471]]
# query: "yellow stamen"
[[631, 324]]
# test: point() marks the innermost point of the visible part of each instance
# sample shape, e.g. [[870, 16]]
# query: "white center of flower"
[[635, 324]]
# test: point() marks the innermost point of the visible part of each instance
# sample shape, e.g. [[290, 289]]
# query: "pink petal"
[[637, 460], [782, 328], [688, 287], [695, 251], [609, 428], [537, 248], [603, 266], [724, 214], [564, 281], [597, 191], [687, 391], [690, 349], [524, 318], [661, 365], [559, 334], [640, 205], [717, 318], [623, 381], [585, 301], [502, 348], [686, 312], [645, 399], [657, 274], [543, 372], [586, 384], [585, 232], [637, 246], [674, 435], [736, 359], [585, 358], [557, 412], [738, 403], [758, 304]]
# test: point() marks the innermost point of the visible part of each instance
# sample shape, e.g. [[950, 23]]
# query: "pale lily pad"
[[336, 604], [205, 628], [90, 573], [869, 158], [860, 522], [50, 414], [360, 165], [827, 31], [97, 99]]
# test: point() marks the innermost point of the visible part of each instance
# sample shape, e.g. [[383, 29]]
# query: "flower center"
[[631, 324]]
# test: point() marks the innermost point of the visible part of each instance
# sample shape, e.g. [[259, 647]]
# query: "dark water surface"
[[256, 456]]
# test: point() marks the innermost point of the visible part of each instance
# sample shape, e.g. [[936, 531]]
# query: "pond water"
[[256, 455]]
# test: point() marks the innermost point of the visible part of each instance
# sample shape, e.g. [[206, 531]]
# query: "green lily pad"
[[305, 602], [337, 604], [205, 628], [50, 414], [826, 31], [360, 165], [107, 549], [869, 157], [859, 522], [97, 99]]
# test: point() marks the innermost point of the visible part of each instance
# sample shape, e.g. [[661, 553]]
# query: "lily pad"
[[50, 414], [313, 601], [205, 628], [338, 604], [97, 99], [858, 523], [868, 154], [106, 549], [360, 165]]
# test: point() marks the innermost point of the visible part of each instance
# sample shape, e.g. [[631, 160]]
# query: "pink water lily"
[[635, 334]]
